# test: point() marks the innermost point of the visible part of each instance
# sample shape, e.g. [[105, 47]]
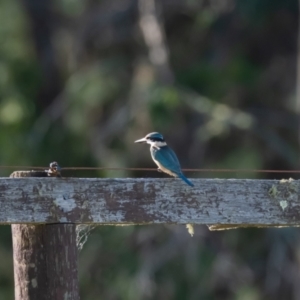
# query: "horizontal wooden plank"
[[223, 202]]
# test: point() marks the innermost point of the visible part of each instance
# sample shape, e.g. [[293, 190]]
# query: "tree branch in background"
[[155, 40], [42, 22]]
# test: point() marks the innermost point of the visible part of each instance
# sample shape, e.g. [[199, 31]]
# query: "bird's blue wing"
[[167, 158]]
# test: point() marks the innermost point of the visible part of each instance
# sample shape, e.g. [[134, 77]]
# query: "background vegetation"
[[81, 80]]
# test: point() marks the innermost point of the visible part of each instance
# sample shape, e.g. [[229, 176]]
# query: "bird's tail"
[[185, 180]]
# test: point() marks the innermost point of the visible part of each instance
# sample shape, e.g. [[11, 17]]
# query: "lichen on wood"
[[232, 202]]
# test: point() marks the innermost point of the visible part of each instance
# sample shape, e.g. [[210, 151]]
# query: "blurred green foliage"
[[78, 85]]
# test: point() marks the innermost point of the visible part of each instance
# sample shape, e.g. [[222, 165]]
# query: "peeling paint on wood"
[[150, 201]]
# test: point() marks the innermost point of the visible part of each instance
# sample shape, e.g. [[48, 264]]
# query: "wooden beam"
[[219, 202]]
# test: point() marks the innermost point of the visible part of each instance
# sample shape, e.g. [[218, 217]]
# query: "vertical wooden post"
[[45, 258], [29, 262], [62, 259]]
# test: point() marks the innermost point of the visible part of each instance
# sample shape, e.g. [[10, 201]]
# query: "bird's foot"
[[159, 170]]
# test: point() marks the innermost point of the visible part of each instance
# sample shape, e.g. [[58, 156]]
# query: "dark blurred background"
[[81, 80]]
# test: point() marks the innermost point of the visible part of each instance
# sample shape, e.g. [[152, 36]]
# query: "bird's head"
[[154, 139]]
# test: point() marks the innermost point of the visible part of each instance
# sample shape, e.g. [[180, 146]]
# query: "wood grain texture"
[[144, 201], [30, 270], [62, 259], [45, 262]]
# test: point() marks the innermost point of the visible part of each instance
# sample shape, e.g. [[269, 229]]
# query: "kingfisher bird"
[[163, 156]]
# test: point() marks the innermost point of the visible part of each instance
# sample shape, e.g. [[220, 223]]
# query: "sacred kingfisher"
[[163, 156]]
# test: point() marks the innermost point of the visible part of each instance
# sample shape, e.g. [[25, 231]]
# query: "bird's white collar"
[[157, 144]]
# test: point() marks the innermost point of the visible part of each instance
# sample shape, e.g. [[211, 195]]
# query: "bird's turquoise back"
[[167, 158]]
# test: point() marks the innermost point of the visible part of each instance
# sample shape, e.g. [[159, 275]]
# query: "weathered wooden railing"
[[45, 211]]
